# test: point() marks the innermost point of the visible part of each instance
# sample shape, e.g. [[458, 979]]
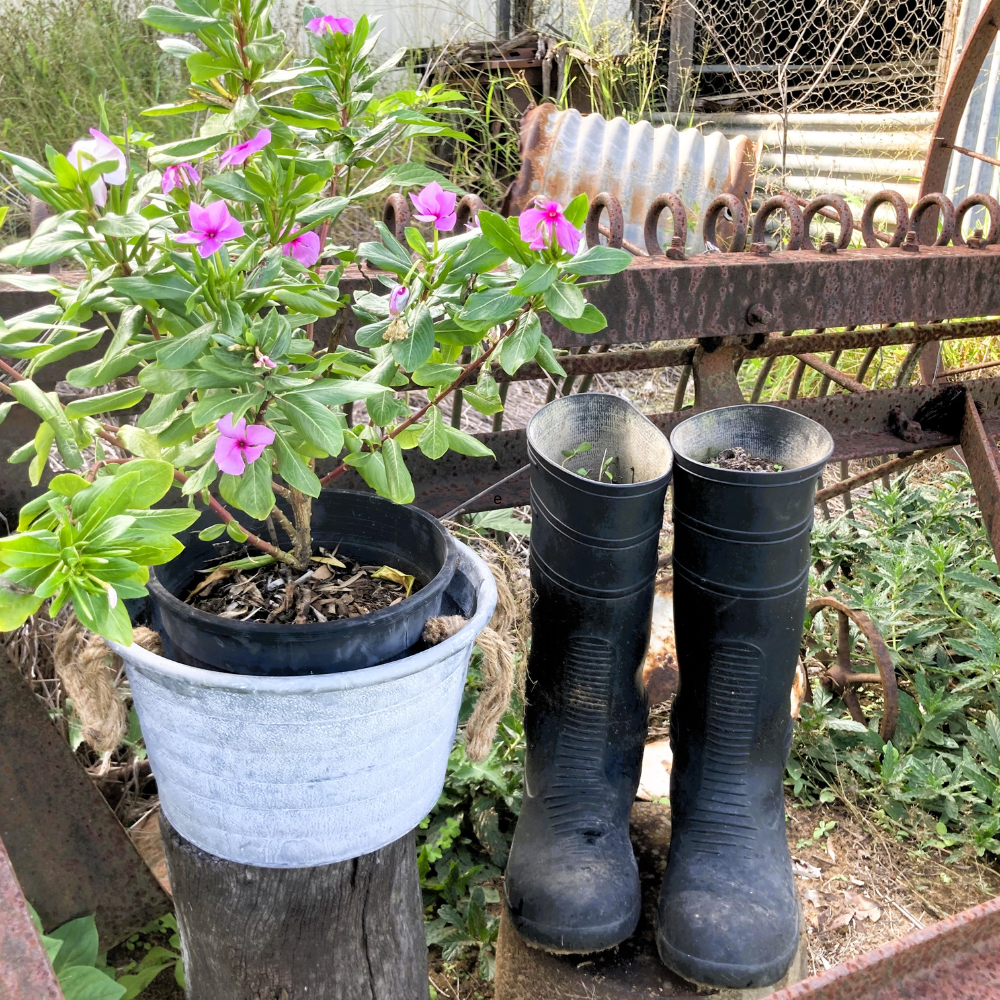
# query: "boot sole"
[[554, 939], [720, 974]]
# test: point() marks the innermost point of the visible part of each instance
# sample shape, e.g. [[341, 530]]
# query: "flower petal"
[[446, 222], [258, 435], [567, 235], [229, 456], [530, 221], [227, 428], [305, 248], [200, 219]]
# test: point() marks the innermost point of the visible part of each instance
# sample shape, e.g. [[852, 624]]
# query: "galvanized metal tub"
[[292, 772]]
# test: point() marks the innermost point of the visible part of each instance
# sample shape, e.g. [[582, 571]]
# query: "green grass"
[[60, 59]]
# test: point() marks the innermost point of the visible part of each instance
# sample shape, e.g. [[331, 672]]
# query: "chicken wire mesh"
[[806, 55]]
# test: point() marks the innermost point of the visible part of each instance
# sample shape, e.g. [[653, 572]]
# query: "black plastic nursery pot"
[[367, 528], [728, 913]]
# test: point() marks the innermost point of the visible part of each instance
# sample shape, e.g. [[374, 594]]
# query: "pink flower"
[[84, 153], [398, 298], [435, 205], [211, 226], [538, 225], [179, 176], [335, 25], [304, 247], [239, 154], [240, 444], [263, 361]]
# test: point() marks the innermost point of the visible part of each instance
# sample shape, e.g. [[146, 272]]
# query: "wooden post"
[[347, 931], [679, 82]]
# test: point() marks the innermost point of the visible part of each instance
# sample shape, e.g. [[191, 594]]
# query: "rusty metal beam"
[[859, 423], [979, 449], [71, 855], [885, 469], [957, 958], [833, 374], [25, 970]]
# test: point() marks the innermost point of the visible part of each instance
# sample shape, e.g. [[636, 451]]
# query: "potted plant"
[[207, 286]]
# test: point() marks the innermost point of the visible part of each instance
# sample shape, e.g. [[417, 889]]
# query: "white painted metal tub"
[[292, 772]]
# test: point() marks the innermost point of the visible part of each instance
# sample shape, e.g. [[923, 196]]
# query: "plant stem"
[[466, 372]]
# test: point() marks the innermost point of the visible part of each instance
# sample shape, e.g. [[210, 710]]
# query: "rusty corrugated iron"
[[564, 153], [957, 958], [25, 970]]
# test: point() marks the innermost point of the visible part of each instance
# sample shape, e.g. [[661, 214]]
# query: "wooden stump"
[[631, 971], [348, 931]]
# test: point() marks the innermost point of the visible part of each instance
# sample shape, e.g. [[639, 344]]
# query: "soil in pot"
[[740, 460], [335, 587]]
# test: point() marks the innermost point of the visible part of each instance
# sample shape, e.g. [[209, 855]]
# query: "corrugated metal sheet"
[[980, 126], [565, 153], [858, 153]]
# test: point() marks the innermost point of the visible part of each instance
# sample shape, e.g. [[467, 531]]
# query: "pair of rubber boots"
[[728, 914]]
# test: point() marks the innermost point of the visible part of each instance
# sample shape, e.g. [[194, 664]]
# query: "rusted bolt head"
[[676, 249], [976, 240], [911, 242], [758, 315], [829, 244], [760, 249]]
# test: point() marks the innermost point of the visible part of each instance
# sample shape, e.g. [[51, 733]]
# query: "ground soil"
[[740, 460], [336, 587]]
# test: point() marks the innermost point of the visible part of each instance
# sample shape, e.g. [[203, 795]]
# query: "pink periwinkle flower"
[[237, 155], [304, 247], [179, 176], [84, 153], [335, 25], [436, 205], [211, 227], [263, 361], [240, 444], [398, 298], [538, 225]]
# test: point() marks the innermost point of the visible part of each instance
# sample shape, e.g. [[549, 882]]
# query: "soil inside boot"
[[335, 587], [740, 460]]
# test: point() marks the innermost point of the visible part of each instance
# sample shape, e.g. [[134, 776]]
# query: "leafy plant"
[[918, 561], [136, 976], [464, 843], [208, 286]]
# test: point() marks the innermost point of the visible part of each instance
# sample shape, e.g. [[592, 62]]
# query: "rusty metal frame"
[[954, 959]]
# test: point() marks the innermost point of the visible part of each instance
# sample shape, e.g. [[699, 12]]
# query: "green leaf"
[[487, 309], [413, 352], [122, 226], [294, 470], [433, 441], [325, 208], [169, 521], [124, 399], [521, 346], [545, 357], [212, 532], [140, 442], [175, 22], [235, 532], [180, 351], [201, 479], [384, 408], [592, 320], [136, 982], [598, 260], [42, 249], [79, 943], [155, 479], [233, 187], [479, 257], [576, 210], [397, 477], [371, 469], [44, 437], [564, 301], [536, 279], [181, 151], [83, 983], [313, 421], [333, 392], [500, 235], [48, 408], [466, 444], [437, 374]]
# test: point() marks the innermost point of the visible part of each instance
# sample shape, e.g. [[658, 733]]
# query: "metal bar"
[[25, 970], [857, 421], [71, 855], [969, 368], [863, 478], [973, 154], [980, 452], [953, 959], [833, 374]]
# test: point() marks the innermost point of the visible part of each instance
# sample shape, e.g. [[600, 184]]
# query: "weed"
[[917, 560]]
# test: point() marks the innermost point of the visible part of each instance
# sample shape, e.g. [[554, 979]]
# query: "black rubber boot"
[[728, 914], [572, 884]]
